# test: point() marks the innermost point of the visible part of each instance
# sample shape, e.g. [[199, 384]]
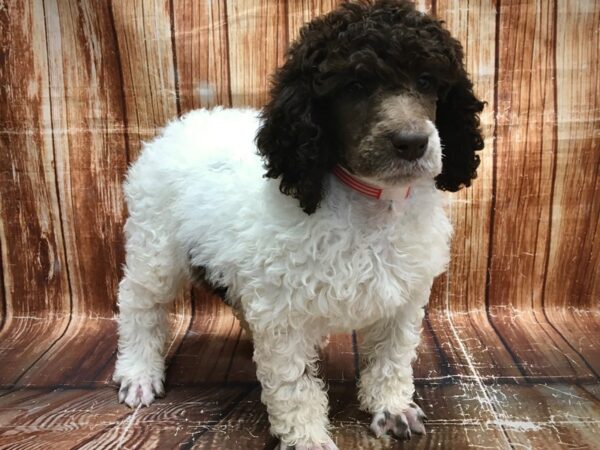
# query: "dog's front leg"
[[295, 397], [386, 385]]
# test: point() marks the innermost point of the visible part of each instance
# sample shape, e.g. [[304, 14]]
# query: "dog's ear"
[[457, 121], [291, 138]]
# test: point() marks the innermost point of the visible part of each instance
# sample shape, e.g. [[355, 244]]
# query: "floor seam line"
[[474, 373]]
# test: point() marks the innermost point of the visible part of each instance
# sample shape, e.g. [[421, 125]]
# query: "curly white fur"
[[197, 196]]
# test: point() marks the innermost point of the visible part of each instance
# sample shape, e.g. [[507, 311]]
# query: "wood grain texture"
[[573, 325], [143, 35], [24, 341], [524, 153], [82, 356], [183, 419], [524, 167], [246, 425], [55, 418], [572, 278], [550, 416], [538, 350], [430, 364], [202, 50], [3, 308], [88, 125], [214, 348], [460, 416], [470, 347], [339, 359], [258, 36], [35, 284], [33, 258]]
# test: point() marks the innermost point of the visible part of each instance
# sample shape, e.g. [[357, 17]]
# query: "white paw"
[[401, 425], [329, 445], [140, 390]]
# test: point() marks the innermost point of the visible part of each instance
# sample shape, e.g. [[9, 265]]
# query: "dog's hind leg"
[[151, 280]]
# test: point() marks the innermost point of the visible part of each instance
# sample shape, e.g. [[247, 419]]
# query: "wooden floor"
[[503, 380]]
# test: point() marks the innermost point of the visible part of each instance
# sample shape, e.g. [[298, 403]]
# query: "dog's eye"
[[355, 88], [426, 84]]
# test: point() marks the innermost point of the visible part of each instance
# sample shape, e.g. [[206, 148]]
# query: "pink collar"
[[368, 190]]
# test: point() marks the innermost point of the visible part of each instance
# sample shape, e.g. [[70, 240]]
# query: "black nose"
[[410, 146]]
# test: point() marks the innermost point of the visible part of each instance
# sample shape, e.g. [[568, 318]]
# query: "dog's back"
[[205, 142]]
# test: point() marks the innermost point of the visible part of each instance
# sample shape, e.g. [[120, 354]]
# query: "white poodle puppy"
[[371, 115]]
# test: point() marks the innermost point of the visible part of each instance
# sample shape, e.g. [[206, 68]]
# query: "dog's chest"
[[345, 266], [350, 277]]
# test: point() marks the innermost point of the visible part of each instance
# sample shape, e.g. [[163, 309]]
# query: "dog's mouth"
[[393, 170], [396, 173], [401, 171]]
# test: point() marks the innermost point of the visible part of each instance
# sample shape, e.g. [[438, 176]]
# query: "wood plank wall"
[[83, 83]]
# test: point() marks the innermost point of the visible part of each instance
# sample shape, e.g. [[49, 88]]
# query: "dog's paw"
[[329, 445], [142, 390], [401, 425]]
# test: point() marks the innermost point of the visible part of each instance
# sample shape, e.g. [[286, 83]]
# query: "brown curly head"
[[373, 86]]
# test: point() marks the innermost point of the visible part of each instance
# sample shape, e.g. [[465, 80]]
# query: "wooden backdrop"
[[83, 83]]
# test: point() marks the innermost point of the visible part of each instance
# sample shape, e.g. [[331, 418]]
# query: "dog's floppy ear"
[[291, 138], [457, 121]]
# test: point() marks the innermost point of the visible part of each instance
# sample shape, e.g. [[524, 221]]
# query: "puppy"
[[322, 213]]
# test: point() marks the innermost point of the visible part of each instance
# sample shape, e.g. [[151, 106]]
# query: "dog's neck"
[[397, 194]]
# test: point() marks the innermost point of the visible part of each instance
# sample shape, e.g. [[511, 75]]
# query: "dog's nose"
[[410, 146]]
